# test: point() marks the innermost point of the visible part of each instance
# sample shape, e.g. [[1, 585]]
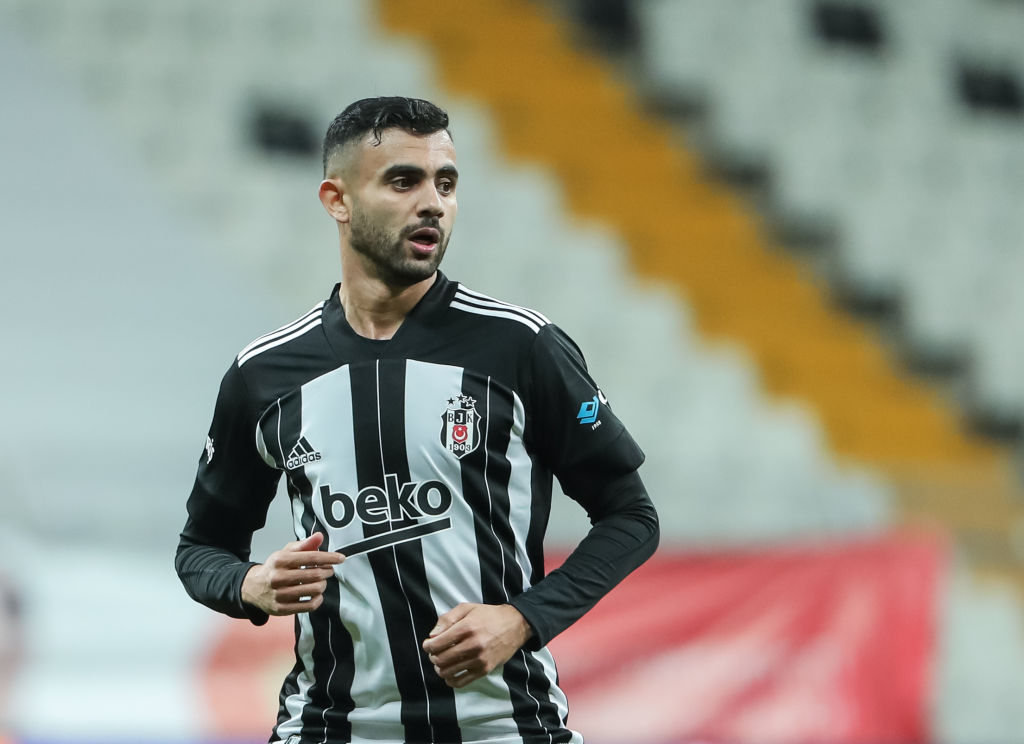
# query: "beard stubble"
[[386, 251]]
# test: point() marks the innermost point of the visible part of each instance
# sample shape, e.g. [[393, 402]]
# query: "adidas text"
[[303, 459]]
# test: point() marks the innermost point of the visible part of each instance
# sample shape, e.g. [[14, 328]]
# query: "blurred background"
[[786, 233]]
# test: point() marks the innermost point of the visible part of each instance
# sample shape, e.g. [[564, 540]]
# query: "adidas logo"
[[301, 454]]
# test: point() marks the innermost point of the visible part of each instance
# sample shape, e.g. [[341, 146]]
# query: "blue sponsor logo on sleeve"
[[588, 411]]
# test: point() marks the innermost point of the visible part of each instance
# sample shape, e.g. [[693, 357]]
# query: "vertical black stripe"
[[330, 699], [428, 704], [486, 473], [485, 478], [540, 512]]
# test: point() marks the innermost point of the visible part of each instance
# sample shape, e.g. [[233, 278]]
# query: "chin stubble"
[[387, 254]]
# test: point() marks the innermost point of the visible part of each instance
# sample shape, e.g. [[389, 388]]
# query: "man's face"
[[403, 204]]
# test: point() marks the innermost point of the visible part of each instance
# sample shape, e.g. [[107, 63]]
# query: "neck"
[[375, 309]]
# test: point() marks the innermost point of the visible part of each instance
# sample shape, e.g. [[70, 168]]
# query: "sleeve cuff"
[[532, 615], [251, 612]]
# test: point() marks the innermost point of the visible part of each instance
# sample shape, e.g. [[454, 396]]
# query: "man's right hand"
[[293, 579]]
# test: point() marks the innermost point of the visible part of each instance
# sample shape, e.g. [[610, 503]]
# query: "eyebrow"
[[414, 171]]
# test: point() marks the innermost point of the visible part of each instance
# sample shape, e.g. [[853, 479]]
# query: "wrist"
[[248, 591], [524, 628]]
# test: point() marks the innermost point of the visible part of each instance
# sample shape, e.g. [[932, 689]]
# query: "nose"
[[431, 203]]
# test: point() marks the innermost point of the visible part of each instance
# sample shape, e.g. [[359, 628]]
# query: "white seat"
[[753, 79], [876, 221], [996, 381], [992, 34], [681, 42], [824, 136]]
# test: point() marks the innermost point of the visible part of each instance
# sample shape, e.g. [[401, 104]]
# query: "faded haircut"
[[374, 115]]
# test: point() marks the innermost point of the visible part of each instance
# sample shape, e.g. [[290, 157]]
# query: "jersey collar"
[[436, 299]]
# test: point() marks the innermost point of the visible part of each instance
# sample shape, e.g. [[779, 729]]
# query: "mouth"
[[425, 239]]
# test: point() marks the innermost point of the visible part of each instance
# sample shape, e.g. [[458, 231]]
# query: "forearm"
[[232, 491], [622, 538], [213, 576]]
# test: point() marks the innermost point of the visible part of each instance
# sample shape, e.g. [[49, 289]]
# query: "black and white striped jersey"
[[427, 459]]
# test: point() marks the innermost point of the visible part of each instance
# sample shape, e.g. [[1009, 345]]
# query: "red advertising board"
[[826, 643]]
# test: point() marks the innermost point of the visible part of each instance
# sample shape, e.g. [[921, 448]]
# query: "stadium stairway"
[[573, 112]]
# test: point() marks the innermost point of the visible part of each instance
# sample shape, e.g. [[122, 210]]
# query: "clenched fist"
[[293, 579]]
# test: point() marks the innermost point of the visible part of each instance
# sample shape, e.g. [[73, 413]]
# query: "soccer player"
[[418, 424]]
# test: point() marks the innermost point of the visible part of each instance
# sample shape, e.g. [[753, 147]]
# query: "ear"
[[332, 196]]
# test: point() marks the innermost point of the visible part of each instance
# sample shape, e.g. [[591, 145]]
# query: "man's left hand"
[[471, 640]]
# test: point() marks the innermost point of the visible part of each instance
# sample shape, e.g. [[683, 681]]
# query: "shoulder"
[[281, 338], [491, 311], [284, 359]]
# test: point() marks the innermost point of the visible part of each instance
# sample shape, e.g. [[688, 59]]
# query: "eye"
[[402, 183], [446, 187]]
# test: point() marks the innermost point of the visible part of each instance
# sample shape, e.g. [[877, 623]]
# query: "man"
[[418, 424]]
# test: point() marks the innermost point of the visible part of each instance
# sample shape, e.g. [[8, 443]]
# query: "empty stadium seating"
[[189, 127], [921, 183], [176, 85]]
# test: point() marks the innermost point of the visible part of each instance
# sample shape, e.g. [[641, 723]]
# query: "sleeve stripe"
[[317, 310], [482, 300], [497, 313], [313, 323]]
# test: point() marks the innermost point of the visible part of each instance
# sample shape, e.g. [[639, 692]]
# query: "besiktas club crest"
[[460, 430]]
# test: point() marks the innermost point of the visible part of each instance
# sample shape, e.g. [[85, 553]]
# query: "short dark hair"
[[377, 114]]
